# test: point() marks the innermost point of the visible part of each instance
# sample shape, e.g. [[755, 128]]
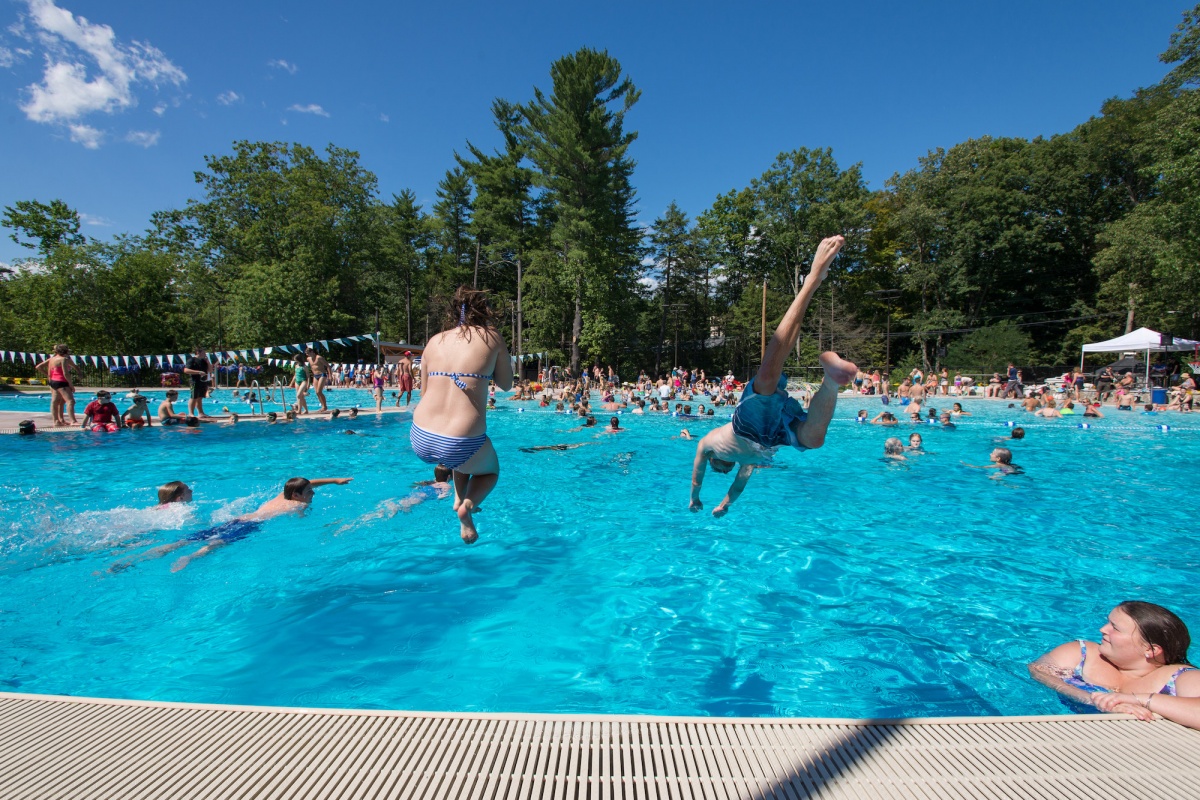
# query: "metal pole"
[[887, 362], [520, 320], [378, 338]]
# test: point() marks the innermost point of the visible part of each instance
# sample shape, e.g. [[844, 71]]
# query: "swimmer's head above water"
[[174, 492]]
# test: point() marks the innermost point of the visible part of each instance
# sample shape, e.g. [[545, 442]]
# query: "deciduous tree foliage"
[[994, 248]]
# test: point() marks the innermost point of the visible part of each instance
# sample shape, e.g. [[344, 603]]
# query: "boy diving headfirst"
[[766, 417]]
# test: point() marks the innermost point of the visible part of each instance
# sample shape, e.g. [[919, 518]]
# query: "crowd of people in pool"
[[1139, 666]]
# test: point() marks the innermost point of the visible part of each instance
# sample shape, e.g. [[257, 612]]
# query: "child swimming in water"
[[766, 417], [296, 497]]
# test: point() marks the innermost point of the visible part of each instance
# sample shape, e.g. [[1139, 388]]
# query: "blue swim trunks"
[[226, 532], [766, 419]]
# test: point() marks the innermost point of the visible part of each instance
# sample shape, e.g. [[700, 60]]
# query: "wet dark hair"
[[1161, 627], [193, 422], [1018, 433], [469, 307], [614, 422], [171, 492], [271, 415], [442, 474], [294, 487]]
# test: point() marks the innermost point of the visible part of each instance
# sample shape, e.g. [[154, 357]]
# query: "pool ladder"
[[268, 396]]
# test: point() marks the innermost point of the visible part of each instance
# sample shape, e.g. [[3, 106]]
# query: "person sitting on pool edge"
[[766, 417], [138, 414], [296, 497], [166, 410], [101, 414], [1139, 667]]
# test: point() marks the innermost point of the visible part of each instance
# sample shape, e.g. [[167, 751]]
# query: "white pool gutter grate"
[[63, 747]]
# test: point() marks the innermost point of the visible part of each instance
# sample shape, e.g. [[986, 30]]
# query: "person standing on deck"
[[199, 368]]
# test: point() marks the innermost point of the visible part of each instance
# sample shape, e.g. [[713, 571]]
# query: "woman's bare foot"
[[826, 250], [465, 509], [838, 369]]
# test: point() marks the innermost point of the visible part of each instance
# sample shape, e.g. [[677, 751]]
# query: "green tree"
[[579, 146], [670, 239], [50, 225]]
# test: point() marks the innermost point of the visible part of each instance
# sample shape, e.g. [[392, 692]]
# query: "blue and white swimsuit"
[[449, 451]]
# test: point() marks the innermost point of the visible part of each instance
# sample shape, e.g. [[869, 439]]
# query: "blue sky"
[[112, 106]]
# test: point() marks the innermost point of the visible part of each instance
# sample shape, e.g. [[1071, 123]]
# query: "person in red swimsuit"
[[101, 414], [404, 376], [62, 399]]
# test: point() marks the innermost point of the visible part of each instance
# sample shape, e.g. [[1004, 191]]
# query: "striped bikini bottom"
[[449, 451]]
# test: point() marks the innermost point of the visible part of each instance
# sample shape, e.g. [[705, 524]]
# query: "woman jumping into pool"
[[1139, 667], [449, 425]]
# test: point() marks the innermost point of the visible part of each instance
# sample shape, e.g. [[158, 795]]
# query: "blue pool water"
[[839, 585]]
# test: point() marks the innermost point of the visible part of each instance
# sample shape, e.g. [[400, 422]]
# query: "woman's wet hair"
[[171, 492], [61, 350], [1004, 455], [893, 446], [469, 307], [1160, 627], [442, 474], [294, 488]]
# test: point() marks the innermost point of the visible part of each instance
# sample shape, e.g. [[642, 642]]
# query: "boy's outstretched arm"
[[735, 489], [698, 468], [327, 481]]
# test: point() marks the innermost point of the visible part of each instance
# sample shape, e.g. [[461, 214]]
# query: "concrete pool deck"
[[68, 747], [45, 423]]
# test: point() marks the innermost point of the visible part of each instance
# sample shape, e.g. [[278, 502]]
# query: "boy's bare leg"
[[838, 372], [785, 336]]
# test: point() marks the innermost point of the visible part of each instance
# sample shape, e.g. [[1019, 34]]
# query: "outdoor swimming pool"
[[838, 585]]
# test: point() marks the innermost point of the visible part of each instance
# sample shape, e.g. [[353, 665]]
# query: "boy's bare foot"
[[465, 509], [826, 250], [838, 369]]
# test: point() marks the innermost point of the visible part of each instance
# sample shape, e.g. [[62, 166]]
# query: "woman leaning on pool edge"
[[1139, 667], [449, 425]]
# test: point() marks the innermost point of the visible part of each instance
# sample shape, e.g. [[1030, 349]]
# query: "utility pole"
[[378, 349], [475, 280], [1129, 319]]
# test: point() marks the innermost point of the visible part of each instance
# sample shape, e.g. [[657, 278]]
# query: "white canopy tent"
[[1139, 341]]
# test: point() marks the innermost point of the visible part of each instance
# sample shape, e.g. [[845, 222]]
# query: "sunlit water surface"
[[839, 584]]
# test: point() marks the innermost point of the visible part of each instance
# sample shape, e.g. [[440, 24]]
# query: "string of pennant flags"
[[171, 359]]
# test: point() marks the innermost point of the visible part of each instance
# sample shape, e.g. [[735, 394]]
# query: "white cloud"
[[86, 135], [143, 138], [311, 108], [89, 219], [229, 98], [287, 67], [384, 118], [7, 58], [88, 70], [160, 108]]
